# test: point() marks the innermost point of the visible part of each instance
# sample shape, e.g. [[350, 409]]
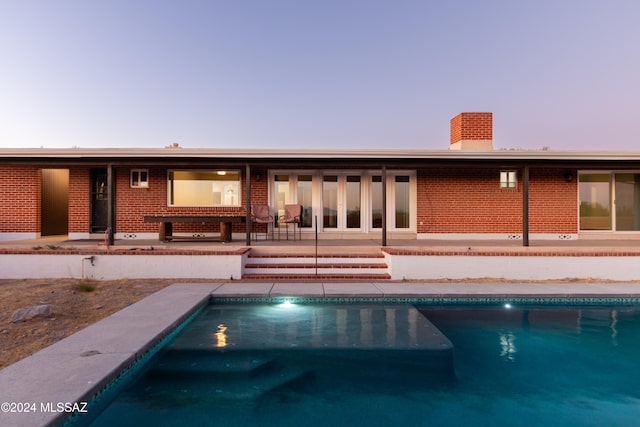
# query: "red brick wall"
[[79, 199], [134, 203], [471, 201], [553, 202], [20, 189], [449, 201], [474, 126]]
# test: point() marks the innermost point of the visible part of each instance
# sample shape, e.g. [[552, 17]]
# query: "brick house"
[[468, 191]]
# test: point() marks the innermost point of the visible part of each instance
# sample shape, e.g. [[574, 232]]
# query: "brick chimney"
[[472, 131]]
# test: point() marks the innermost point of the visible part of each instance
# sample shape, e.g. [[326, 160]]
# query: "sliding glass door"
[[609, 201]]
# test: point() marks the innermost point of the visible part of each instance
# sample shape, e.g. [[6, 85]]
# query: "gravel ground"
[[75, 305]]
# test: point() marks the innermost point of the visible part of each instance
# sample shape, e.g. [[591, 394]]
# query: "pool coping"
[[76, 369]]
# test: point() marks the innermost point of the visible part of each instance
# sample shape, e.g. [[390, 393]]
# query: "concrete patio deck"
[[596, 242]]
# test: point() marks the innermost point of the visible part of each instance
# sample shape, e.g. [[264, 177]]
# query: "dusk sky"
[[318, 74]]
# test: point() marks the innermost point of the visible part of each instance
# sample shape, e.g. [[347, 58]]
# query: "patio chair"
[[260, 215], [291, 215]]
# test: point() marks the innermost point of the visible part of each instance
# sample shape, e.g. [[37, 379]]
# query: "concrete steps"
[[209, 376], [366, 266]]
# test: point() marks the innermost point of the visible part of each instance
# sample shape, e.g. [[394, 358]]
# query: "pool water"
[[380, 365]]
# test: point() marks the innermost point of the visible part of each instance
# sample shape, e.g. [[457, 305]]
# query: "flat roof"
[[261, 153]]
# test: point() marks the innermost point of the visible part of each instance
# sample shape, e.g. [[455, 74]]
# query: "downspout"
[[110, 205]]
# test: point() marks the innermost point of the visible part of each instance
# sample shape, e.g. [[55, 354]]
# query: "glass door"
[[291, 188], [402, 199], [376, 202], [282, 195], [330, 202], [353, 202], [627, 201], [347, 200], [609, 201], [305, 199], [341, 202]]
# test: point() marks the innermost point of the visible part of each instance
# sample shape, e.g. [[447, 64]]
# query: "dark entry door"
[[99, 200], [55, 202]]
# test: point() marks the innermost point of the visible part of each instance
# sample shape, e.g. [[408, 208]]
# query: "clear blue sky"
[[318, 74]]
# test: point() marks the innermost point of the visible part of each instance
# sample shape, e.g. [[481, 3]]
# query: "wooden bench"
[[165, 231]]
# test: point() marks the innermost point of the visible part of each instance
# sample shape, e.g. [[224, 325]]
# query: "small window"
[[139, 178], [508, 179]]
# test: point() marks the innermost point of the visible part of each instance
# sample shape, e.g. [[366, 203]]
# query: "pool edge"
[[43, 377], [79, 367]]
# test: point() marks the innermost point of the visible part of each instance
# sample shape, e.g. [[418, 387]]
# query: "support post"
[[525, 206], [110, 206], [248, 202], [384, 205]]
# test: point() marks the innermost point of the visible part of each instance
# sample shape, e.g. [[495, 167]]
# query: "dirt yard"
[[75, 305]]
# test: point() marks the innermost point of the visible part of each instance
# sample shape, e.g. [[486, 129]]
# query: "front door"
[[99, 200], [55, 202]]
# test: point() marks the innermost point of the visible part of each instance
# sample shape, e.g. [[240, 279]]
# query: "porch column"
[[110, 206], [384, 205], [248, 202], [525, 206]]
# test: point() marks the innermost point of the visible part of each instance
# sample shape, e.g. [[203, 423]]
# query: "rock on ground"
[[26, 313]]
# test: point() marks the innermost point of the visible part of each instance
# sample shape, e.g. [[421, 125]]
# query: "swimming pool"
[[392, 364]]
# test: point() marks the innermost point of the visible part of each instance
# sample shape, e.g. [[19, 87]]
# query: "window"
[[508, 179], [204, 188], [139, 178]]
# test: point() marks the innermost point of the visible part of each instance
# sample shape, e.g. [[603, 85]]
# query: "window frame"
[[220, 172], [140, 182], [508, 179]]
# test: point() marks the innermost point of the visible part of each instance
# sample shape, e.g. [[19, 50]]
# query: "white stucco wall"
[[112, 267], [513, 267]]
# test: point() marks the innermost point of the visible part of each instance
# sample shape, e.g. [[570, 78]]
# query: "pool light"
[[507, 306]]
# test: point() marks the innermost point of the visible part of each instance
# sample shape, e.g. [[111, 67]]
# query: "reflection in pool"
[[378, 365]]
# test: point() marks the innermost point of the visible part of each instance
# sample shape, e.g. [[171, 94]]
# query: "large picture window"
[[204, 188]]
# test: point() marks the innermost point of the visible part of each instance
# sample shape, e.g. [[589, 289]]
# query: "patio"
[[330, 260]]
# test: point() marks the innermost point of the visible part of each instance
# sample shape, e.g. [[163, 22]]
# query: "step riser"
[[304, 266], [311, 260], [314, 277], [321, 270]]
